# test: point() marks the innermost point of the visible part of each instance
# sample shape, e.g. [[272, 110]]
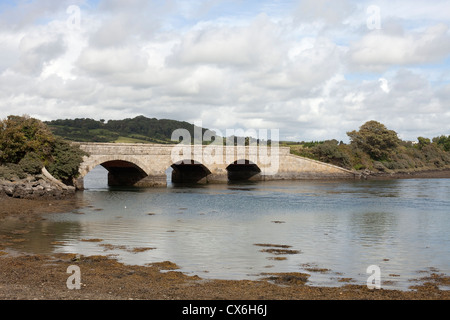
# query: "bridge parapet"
[[166, 149]]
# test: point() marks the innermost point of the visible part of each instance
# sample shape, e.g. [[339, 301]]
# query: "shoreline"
[[421, 174], [43, 277]]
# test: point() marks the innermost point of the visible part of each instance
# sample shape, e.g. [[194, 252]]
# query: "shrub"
[[11, 171], [31, 163], [379, 166], [65, 162], [330, 152], [443, 142], [422, 142], [6, 173]]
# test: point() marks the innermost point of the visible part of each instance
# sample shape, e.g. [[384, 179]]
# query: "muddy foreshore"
[[409, 174], [44, 277]]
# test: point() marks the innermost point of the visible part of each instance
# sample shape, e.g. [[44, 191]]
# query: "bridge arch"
[[122, 170], [189, 171], [242, 170]]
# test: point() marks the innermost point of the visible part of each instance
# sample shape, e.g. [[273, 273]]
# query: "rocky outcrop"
[[36, 187]]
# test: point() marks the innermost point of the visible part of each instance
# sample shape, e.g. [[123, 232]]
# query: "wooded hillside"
[[139, 129]]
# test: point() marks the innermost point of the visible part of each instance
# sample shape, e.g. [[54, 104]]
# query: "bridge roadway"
[[145, 165]]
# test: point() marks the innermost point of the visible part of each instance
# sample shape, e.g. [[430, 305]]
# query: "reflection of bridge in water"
[[145, 165]]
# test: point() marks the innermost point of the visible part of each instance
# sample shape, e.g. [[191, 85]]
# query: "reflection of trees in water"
[[381, 188]]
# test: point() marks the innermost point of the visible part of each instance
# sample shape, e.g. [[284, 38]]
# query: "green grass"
[[131, 140]]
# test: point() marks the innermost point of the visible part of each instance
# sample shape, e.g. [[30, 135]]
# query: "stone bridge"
[[146, 165]]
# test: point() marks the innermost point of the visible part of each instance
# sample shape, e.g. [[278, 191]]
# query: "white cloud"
[[36, 49], [112, 61], [384, 85], [331, 13], [378, 50], [252, 45], [314, 73]]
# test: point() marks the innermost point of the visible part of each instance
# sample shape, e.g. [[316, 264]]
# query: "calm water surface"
[[402, 226]]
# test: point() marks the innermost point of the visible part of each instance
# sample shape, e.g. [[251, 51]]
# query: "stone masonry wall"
[[276, 164]]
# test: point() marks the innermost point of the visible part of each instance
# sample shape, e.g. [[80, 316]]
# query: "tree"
[[27, 144], [375, 139], [330, 151], [443, 142], [423, 142], [22, 135]]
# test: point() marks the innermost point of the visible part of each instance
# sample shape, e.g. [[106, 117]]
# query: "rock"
[[7, 189], [35, 188]]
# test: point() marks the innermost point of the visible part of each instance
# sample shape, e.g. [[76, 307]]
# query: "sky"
[[312, 69]]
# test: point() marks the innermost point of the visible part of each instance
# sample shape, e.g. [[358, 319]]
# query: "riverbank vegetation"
[[375, 148], [27, 145]]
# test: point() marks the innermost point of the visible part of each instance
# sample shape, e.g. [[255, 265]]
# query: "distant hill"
[[137, 130]]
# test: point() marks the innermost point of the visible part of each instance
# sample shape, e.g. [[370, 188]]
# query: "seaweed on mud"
[[295, 278], [280, 251]]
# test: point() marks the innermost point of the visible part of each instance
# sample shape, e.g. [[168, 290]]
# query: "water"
[[217, 231]]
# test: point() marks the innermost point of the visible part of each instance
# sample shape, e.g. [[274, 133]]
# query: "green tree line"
[[139, 129]]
